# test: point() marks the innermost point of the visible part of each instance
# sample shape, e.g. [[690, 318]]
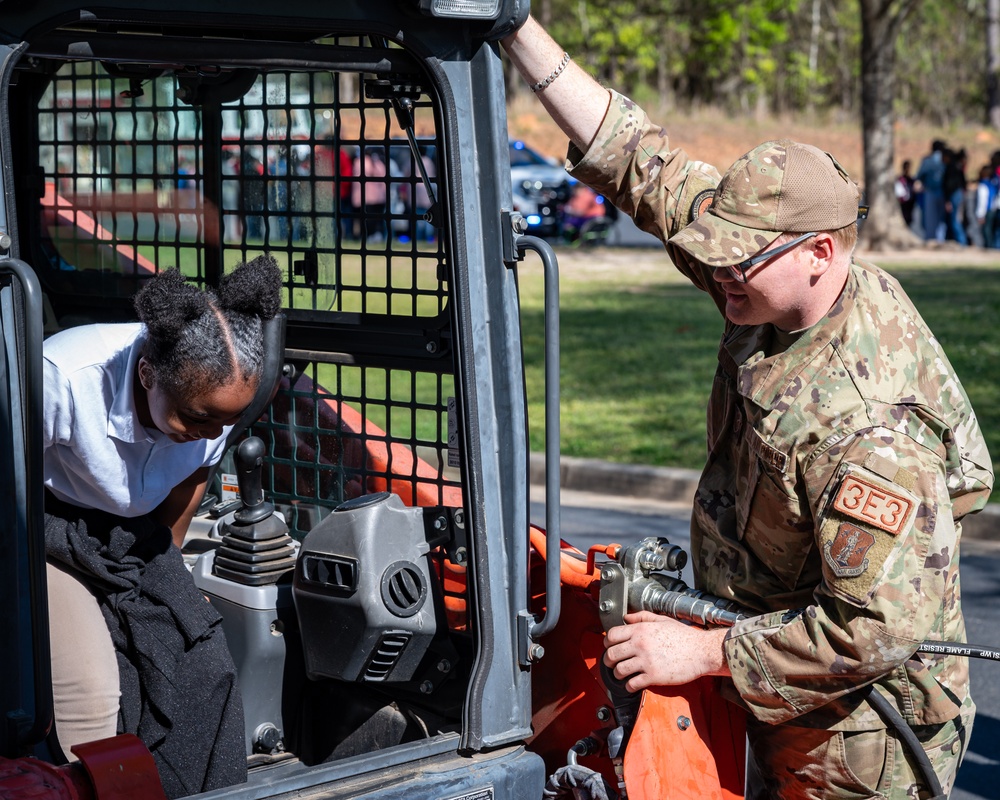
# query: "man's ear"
[[822, 250]]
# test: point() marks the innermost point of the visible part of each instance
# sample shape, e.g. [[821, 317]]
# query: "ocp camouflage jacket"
[[841, 461]]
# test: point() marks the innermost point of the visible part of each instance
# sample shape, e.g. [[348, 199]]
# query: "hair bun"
[[253, 288], [168, 302]]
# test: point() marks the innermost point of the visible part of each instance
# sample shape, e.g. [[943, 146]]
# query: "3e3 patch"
[[867, 517], [872, 502]]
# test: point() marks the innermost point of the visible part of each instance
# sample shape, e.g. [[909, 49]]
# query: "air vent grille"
[[403, 589], [337, 574], [390, 647]]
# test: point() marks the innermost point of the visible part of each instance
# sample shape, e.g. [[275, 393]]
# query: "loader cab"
[[364, 146]]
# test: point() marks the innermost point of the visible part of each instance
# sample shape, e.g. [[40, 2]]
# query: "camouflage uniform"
[[841, 462]]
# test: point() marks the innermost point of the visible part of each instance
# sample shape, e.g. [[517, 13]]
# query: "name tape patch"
[[772, 457], [873, 504]]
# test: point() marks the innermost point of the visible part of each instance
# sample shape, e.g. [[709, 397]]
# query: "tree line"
[[780, 56], [874, 60]]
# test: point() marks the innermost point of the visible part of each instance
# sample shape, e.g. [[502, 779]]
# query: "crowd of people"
[[373, 197], [940, 202]]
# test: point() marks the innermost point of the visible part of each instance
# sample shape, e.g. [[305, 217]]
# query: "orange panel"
[[703, 759], [688, 744]]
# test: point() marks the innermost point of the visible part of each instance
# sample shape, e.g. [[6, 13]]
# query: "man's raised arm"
[[575, 101]]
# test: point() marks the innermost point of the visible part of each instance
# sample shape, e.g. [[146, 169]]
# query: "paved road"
[[588, 518]]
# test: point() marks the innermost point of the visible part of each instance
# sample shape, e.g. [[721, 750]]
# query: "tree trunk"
[[814, 33], [546, 15], [880, 24], [993, 62], [663, 90]]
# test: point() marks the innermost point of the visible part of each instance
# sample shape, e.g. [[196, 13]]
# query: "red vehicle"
[[421, 640]]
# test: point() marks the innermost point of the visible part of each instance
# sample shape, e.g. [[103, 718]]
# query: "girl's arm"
[[177, 511]]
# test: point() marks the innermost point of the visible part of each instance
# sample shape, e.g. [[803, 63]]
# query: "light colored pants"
[[85, 687]]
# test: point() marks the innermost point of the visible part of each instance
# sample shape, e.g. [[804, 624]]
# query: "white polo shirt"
[[97, 454]]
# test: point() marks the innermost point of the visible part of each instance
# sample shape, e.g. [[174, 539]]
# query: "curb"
[[672, 484], [665, 484]]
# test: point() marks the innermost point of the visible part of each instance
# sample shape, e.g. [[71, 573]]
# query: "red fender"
[[119, 768], [688, 743], [25, 778]]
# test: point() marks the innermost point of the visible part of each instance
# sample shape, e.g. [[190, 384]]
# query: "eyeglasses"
[[739, 271]]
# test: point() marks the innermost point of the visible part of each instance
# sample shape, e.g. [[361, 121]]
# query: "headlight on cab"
[[461, 9]]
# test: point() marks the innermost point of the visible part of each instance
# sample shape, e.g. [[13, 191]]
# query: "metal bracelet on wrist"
[[537, 87]]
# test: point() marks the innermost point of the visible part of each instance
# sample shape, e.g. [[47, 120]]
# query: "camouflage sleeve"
[[888, 545], [631, 163]]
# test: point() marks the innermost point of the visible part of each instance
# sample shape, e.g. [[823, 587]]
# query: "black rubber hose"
[[894, 720], [959, 649]]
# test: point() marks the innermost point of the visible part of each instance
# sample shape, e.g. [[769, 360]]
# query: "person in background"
[[231, 192], [992, 233], [584, 204], [843, 456], [930, 177], [301, 190], [254, 193], [953, 186], [368, 195], [333, 166], [979, 198], [277, 192], [345, 193], [905, 192]]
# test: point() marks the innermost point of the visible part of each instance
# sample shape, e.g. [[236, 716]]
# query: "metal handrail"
[[553, 540], [30, 402]]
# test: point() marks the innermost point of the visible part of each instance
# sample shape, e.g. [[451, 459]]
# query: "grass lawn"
[[639, 350]]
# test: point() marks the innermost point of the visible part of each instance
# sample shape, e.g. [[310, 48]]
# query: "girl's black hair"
[[197, 338]]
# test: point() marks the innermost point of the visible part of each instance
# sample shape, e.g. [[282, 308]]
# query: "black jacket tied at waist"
[[178, 681]]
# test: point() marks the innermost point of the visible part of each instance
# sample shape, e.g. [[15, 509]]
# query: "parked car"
[[540, 188]]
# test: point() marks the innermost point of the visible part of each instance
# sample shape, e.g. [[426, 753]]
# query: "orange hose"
[[572, 571]]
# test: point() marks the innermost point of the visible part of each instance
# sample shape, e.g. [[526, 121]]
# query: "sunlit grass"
[[638, 356], [637, 352]]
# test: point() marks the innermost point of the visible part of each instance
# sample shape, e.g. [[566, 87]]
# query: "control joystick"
[[249, 469], [256, 549]]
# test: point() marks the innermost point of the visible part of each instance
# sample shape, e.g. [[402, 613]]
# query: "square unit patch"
[[874, 502]]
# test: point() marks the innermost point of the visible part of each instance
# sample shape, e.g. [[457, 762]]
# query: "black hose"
[[893, 718], [959, 649], [576, 781]]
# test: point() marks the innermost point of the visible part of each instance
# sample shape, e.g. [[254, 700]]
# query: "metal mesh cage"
[[335, 173]]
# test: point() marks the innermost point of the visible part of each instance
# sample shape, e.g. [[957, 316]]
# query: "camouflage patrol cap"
[[778, 187]]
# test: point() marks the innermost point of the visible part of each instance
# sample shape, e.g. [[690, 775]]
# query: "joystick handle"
[[249, 466]]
